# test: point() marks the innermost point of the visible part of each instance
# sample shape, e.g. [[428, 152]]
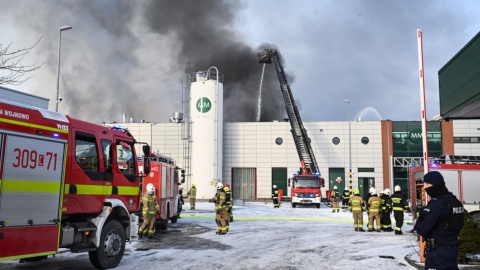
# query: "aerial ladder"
[[302, 141], [305, 187]]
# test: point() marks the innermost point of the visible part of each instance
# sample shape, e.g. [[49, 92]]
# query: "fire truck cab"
[[305, 189], [66, 183]]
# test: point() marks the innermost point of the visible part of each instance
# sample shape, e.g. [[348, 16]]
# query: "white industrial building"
[[256, 154]]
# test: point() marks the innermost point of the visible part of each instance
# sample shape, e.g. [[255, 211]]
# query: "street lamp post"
[[349, 143], [63, 28]]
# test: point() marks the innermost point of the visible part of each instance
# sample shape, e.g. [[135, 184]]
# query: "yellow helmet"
[[193, 185], [356, 192]]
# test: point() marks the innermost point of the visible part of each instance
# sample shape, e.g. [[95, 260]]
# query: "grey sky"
[[128, 56]]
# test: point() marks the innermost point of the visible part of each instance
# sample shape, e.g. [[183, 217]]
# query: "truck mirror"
[[146, 166], [146, 150]]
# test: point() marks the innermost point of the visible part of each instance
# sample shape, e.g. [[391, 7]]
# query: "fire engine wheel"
[[164, 223], [111, 248], [318, 205], [174, 219], [294, 205]]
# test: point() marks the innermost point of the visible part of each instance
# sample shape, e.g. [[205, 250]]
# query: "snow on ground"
[[260, 237]]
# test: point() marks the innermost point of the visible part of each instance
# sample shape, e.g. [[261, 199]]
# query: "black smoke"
[[204, 34], [126, 57]]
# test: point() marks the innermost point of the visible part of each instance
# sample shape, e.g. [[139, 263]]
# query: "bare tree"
[[12, 71]]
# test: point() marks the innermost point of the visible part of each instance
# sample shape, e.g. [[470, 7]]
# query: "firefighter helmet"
[[193, 185], [219, 186], [274, 186], [386, 191], [373, 191], [335, 187], [356, 192], [398, 188], [150, 189], [180, 188], [227, 185]]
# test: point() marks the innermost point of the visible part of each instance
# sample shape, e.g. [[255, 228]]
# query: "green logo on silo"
[[204, 105]]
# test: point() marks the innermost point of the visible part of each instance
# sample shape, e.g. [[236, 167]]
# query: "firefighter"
[[193, 196], [374, 207], [440, 223], [275, 197], [150, 208], [180, 201], [221, 217], [399, 205], [346, 197], [356, 206], [229, 200], [386, 211], [335, 198], [369, 194]]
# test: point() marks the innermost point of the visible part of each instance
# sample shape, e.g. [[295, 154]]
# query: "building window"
[[366, 170], [279, 141], [365, 140], [336, 140], [466, 140]]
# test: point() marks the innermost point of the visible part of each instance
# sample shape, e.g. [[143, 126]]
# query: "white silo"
[[206, 110]]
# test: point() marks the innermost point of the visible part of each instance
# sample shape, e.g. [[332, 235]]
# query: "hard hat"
[[356, 192], [334, 187], [180, 188], [274, 186], [386, 191], [373, 191], [219, 186], [193, 185], [227, 185], [397, 188], [150, 189]]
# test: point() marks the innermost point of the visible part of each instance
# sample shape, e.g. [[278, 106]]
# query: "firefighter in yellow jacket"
[[229, 202], [356, 206], [335, 199], [374, 207], [150, 208], [193, 196], [221, 209]]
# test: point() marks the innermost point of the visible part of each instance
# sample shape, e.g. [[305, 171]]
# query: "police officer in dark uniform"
[[440, 223]]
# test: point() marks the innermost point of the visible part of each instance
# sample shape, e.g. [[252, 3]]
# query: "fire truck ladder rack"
[[302, 141]]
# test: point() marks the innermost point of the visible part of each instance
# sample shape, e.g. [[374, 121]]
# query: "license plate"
[[306, 201]]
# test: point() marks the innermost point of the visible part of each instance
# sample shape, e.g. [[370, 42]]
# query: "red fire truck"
[[306, 186], [165, 178], [462, 176], [66, 183]]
